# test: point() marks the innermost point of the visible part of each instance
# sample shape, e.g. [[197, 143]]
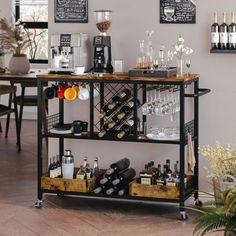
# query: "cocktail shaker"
[[67, 165]]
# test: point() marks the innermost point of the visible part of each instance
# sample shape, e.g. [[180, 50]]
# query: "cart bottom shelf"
[[127, 197]]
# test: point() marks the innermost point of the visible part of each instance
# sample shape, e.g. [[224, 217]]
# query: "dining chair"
[[23, 100], [7, 110]]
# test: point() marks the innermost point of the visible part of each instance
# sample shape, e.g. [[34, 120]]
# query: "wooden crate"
[[70, 185], [153, 191], [158, 191]]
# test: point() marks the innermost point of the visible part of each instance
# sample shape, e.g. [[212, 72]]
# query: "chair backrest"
[[7, 89]]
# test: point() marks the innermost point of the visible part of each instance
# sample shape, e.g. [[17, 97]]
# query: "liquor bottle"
[[126, 129], [232, 32], [95, 167], [176, 170], [123, 191], [224, 33], [118, 166], [58, 163], [105, 130], [145, 177], [127, 109], [168, 169], [119, 99], [84, 171], [126, 175], [51, 170], [215, 33]]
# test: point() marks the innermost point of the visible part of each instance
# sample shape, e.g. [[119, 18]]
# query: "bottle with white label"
[[232, 32], [215, 33], [224, 33]]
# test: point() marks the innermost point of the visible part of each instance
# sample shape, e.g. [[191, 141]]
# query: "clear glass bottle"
[[140, 62]]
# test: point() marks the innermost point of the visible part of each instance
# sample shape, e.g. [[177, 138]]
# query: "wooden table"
[[27, 80]]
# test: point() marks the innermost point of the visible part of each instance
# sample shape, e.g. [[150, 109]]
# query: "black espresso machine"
[[102, 43]]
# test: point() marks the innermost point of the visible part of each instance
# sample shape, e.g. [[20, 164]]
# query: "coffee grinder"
[[102, 43]]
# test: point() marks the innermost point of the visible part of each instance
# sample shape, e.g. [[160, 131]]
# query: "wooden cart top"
[[188, 78]]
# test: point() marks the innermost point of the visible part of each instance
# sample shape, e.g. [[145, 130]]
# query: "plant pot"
[[2, 61], [19, 65]]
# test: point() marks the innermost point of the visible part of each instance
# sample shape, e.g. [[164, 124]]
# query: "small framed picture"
[[178, 11], [71, 11]]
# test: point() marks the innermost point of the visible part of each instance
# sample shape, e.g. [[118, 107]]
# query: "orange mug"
[[71, 93]]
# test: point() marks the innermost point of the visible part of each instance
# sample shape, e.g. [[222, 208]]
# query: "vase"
[[19, 65], [180, 71]]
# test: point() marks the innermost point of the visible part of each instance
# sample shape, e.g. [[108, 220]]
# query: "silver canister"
[[67, 165]]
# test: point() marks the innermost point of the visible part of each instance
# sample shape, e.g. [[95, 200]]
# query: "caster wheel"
[[183, 215], [38, 204], [198, 203], [60, 195]]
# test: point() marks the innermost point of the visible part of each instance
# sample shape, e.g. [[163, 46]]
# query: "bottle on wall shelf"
[[127, 109], [126, 176], [215, 33], [232, 32], [224, 39]]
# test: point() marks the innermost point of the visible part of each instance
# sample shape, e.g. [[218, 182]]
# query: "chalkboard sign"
[[71, 11], [178, 11]]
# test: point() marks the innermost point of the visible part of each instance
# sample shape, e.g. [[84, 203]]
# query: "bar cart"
[[108, 85]]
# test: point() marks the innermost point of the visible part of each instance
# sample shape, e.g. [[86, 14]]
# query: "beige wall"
[[130, 20], [217, 72]]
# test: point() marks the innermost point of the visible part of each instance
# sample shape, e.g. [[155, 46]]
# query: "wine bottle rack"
[[109, 86]]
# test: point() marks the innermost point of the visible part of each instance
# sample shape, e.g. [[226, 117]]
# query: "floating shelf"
[[229, 51]]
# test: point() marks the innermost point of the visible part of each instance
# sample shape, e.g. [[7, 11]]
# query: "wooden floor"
[[70, 216]]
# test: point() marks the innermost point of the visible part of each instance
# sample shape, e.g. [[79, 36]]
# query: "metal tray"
[[152, 73]]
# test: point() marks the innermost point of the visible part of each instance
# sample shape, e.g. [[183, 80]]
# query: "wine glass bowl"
[[169, 12], [188, 65]]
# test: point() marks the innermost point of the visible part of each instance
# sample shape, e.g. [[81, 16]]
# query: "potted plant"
[[15, 39], [219, 218], [222, 165], [2, 61], [220, 214]]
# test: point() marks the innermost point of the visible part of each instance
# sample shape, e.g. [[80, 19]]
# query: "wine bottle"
[[51, 170], [102, 188], [115, 121], [114, 189], [119, 99], [126, 128], [105, 130], [224, 33], [118, 166], [126, 175], [232, 32], [215, 33], [59, 172], [95, 167], [107, 178], [127, 109], [168, 169], [106, 111]]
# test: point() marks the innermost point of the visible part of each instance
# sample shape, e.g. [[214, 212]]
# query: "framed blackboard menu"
[[178, 11], [71, 11]]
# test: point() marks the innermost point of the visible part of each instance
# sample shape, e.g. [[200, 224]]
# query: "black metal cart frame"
[[136, 85]]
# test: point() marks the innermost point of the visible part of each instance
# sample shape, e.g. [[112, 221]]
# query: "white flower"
[[179, 49]]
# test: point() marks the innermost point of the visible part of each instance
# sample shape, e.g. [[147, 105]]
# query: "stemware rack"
[[109, 85]]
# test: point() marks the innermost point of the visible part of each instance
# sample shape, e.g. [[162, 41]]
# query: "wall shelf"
[[225, 51]]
